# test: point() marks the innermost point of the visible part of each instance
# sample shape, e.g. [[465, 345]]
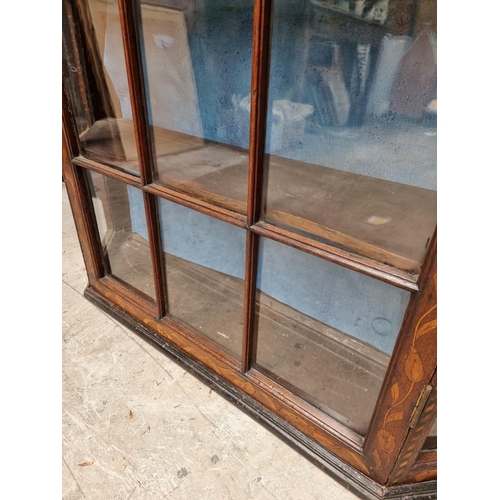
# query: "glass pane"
[[121, 220], [352, 118], [324, 331], [104, 114], [197, 58], [205, 261]]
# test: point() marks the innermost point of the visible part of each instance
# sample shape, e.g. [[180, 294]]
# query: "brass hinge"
[[419, 407]]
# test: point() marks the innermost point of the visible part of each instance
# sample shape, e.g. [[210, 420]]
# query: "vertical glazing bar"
[[129, 20], [155, 246], [249, 304], [258, 106], [75, 44], [81, 206], [258, 114]]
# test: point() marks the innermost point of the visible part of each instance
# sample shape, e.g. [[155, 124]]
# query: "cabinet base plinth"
[[360, 484]]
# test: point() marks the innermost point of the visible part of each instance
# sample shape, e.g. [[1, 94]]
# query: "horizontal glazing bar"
[[338, 256], [107, 171], [288, 237]]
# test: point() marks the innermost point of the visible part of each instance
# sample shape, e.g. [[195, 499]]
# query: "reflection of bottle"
[[391, 52], [358, 7]]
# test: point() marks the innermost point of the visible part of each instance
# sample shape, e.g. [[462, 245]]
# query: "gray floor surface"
[[136, 425]]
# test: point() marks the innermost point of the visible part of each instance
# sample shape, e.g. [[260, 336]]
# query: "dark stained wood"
[[360, 484], [76, 53], [249, 342], [107, 171], [424, 469], [156, 250], [225, 367], [197, 204], [258, 104], [335, 428], [113, 290], [415, 440], [122, 290], [129, 14], [390, 453], [338, 256], [79, 198], [412, 366], [97, 82], [338, 206]]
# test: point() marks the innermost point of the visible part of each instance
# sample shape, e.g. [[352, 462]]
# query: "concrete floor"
[[136, 425]]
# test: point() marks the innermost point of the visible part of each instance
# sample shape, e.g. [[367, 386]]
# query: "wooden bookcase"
[[290, 262]]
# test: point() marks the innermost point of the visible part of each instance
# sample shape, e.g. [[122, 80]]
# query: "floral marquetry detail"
[[386, 440], [414, 369]]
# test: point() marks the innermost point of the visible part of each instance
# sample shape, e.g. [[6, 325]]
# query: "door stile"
[[411, 368]]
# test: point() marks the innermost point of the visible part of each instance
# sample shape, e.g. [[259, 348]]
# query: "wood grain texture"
[[339, 256], [197, 204], [412, 366], [338, 207], [349, 476], [258, 105], [415, 440], [258, 113], [224, 366], [424, 468], [81, 205], [135, 71], [156, 251], [107, 171], [249, 336]]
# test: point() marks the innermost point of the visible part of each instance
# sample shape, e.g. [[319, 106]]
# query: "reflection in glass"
[[324, 331], [197, 59], [205, 261], [121, 220], [100, 85], [351, 137]]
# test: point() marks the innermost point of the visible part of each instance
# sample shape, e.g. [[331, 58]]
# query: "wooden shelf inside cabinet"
[[298, 274], [383, 220]]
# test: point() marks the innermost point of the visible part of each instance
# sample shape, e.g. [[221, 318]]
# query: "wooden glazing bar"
[[71, 146], [223, 366], [200, 206], [82, 211], [411, 368], [128, 300], [258, 115], [338, 256], [107, 171], [332, 426], [156, 250], [249, 343], [129, 20], [79, 198], [75, 44], [258, 105]]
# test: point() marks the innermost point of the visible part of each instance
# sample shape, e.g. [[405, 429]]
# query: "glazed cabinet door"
[[254, 183]]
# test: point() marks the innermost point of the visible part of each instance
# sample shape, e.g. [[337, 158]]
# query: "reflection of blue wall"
[[202, 239], [220, 43], [356, 304]]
